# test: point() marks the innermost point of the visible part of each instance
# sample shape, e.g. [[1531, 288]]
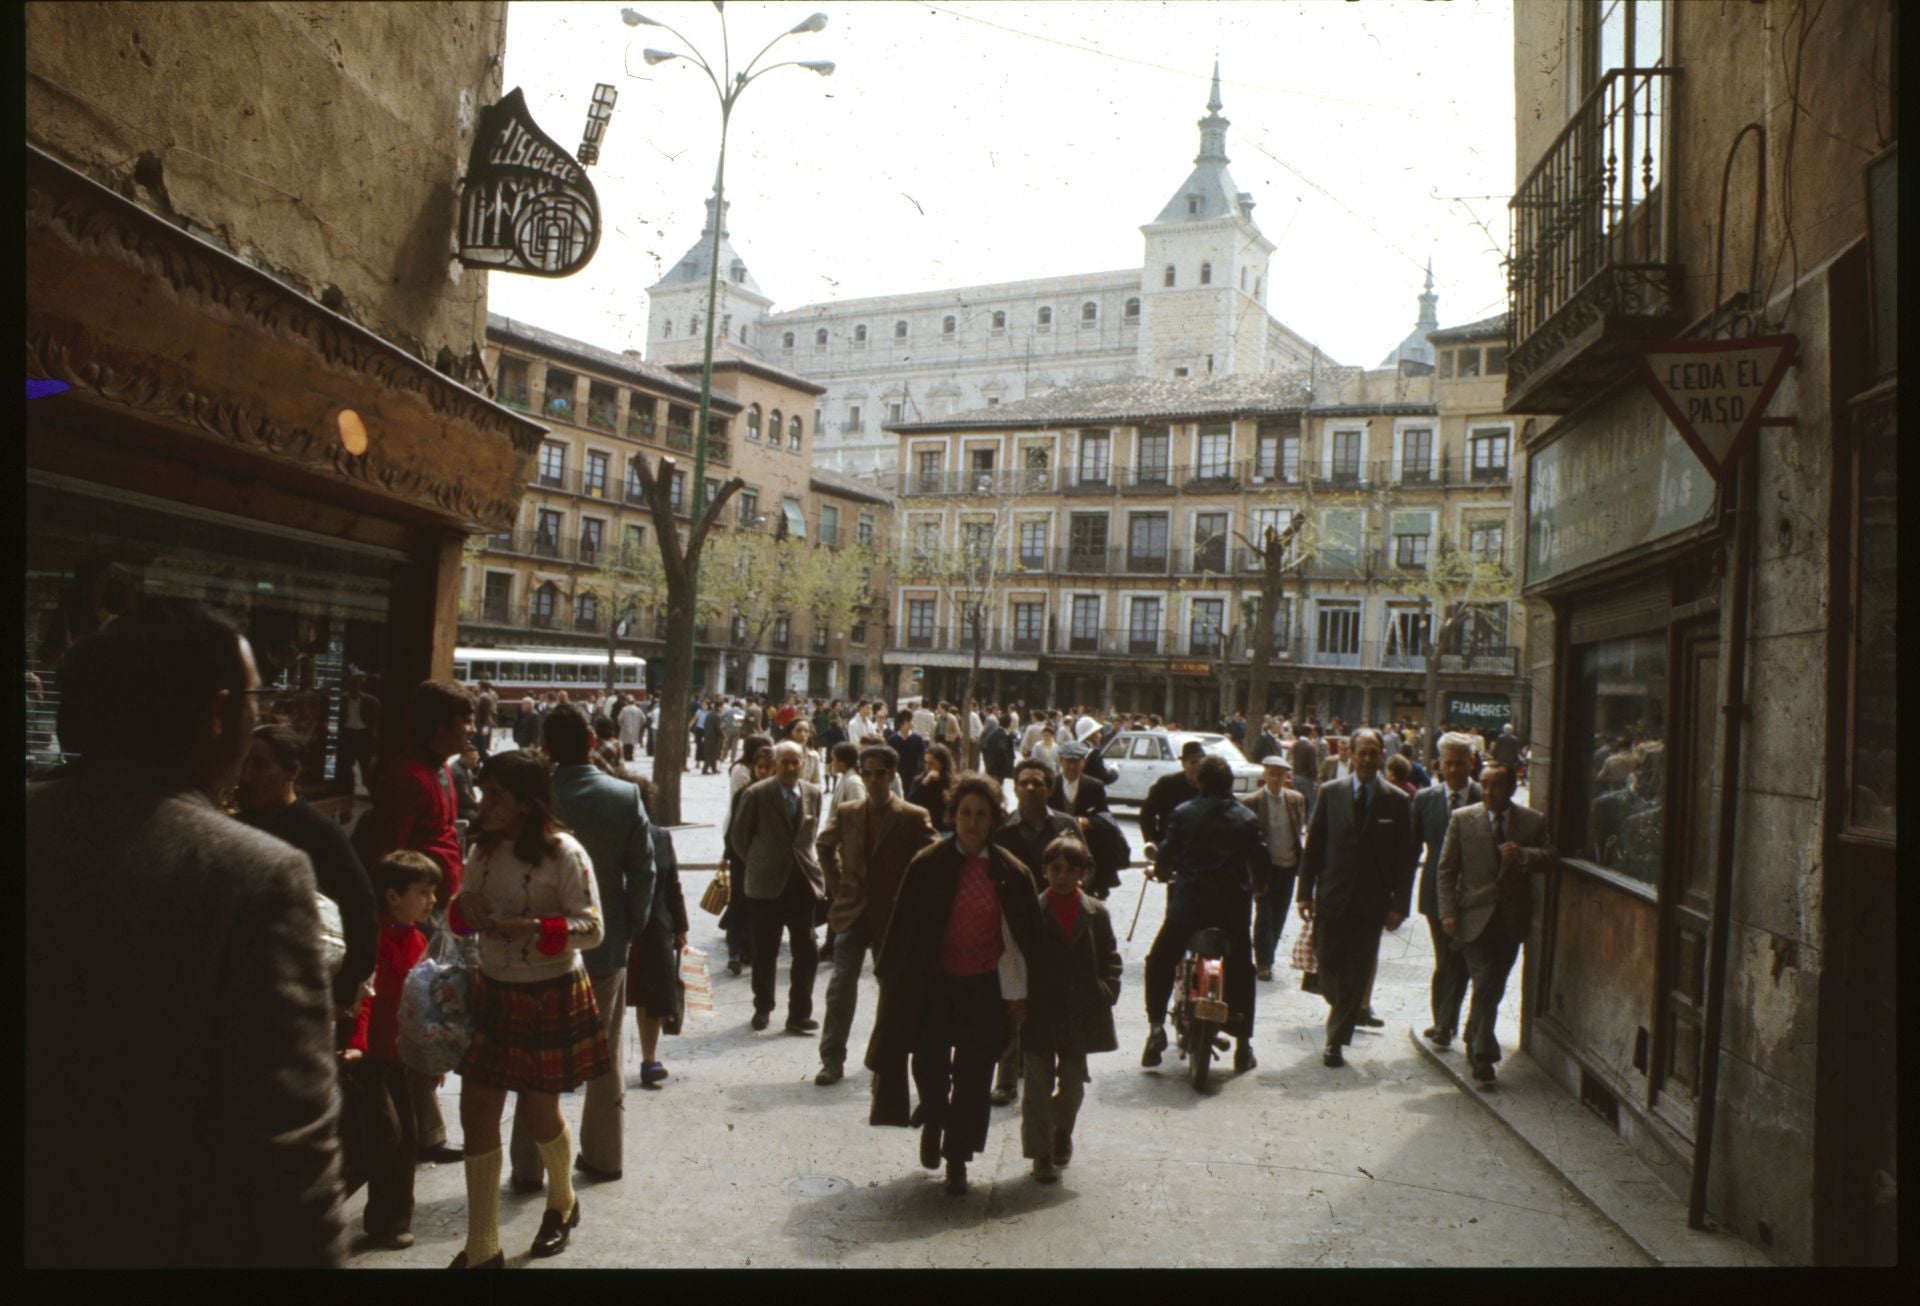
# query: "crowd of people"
[[282, 944]]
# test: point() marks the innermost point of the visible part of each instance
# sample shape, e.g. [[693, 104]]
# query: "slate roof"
[[746, 363], [847, 487]]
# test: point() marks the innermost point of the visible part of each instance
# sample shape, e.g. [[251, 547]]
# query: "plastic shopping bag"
[[698, 981], [435, 1023]]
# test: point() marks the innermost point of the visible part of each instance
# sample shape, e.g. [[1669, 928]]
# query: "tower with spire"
[[1205, 280], [1415, 349], [677, 303]]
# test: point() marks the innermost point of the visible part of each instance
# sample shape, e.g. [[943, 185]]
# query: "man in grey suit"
[[1433, 807], [1355, 878], [774, 834], [1486, 898], [178, 1033]]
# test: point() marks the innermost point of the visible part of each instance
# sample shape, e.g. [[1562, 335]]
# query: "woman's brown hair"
[[527, 776], [972, 782]]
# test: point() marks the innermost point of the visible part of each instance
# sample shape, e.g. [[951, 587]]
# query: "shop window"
[[1616, 755]]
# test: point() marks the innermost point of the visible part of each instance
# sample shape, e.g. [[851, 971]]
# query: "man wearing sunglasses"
[[864, 850]]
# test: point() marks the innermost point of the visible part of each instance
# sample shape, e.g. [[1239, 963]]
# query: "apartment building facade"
[[532, 587], [1126, 517]]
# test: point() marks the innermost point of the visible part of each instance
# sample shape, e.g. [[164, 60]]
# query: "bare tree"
[[629, 582], [680, 564], [970, 570], [1454, 590]]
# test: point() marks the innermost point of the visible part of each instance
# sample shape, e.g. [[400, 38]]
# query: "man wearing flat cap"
[[1074, 792], [1282, 813]]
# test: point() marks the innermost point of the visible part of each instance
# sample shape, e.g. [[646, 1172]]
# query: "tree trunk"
[[1270, 595], [676, 688], [1432, 690], [973, 679]]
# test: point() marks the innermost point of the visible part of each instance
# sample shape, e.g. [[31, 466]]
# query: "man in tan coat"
[[1282, 813], [1492, 850], [774, 832], [864, 851]]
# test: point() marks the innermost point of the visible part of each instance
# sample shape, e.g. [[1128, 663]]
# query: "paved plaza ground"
[[740, 1160]]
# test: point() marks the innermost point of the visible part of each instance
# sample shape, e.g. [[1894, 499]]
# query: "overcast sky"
[[963, 143]]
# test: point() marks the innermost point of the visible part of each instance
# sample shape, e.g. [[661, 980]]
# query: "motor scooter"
[[1200, 1010]]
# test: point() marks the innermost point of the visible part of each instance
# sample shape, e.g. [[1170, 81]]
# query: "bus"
[[516, 673]]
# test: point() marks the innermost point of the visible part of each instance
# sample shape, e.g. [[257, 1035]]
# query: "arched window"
[[1089, 312], [1044, 319], [786, 340], [820, 338], [1133, 310], [773, 428], [543, 604], [666, 328], [1206, 274], [999, 320], [948, 325], [753, 422], [793, 433], [1169, 278], [738, 271], [900, 330], [860, 334]]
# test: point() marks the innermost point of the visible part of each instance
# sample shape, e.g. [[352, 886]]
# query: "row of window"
[[1276, 456], [794, 430], [950, 325], [560, 399], [1148, 533], [1336, 629], [1170, 277], [1469, 361]]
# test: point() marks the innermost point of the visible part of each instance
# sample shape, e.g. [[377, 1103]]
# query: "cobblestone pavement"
[[740, 1160]]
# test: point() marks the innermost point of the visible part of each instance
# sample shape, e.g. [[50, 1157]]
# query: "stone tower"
[[1204, 284], [677, 303]]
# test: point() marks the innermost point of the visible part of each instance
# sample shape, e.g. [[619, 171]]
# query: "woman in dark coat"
[[930, 790], [712, 742], [653, 958], [952, 973]]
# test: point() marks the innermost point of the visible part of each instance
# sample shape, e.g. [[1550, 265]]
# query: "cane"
[[1146, 878]]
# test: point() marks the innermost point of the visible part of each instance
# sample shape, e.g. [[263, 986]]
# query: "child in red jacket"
[[404, 883]]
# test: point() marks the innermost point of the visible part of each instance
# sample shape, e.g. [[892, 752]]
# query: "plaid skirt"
[[544, 1037]]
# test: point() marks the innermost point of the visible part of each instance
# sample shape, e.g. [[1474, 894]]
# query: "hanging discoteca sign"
[[526, 204]]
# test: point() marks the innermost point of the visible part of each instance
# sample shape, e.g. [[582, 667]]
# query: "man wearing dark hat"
[[1282, 813], [1169, 791]]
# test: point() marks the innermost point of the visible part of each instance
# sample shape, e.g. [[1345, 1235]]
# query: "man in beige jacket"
[[864, 851]]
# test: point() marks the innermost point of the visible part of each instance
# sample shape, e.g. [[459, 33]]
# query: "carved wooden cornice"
[[136, 313]]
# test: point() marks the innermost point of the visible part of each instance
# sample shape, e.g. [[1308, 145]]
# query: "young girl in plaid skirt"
[[529, 893]]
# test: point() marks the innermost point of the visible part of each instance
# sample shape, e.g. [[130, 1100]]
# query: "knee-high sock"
[[557, 1154], [483, 1206]]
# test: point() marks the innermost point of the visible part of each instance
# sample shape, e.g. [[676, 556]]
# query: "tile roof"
[[848, 487], [734, 359], [1486, 326]]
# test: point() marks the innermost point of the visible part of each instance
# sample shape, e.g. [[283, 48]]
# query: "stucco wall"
[[322, 142]]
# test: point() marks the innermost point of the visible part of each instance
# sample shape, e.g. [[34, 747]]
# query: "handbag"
[[719, 893]]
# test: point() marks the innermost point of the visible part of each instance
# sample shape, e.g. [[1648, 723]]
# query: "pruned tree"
[[629, 582], [1454, 589], [680, 566], [843, 586], [970, 570], [753, 578]]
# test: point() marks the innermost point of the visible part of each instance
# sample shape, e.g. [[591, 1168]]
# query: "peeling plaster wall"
[[324, 143]]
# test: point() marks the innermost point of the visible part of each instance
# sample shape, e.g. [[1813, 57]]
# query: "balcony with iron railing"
[[1593, 269], [1441, 470]]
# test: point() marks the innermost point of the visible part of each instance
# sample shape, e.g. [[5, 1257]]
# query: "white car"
[[1139, 757]]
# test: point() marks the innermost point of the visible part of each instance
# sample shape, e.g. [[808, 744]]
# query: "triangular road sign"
[[1716, 391]]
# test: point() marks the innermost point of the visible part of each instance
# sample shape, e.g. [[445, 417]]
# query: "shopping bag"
[[696, 982], [719, 892], [435, 1022], [1302, 958]]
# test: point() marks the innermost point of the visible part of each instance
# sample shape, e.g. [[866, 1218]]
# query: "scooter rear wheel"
[[1199, 1052]]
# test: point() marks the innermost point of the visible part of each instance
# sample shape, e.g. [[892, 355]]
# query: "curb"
[[1592, 1160]]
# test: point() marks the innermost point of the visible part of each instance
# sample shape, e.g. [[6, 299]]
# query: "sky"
[[960, 143]]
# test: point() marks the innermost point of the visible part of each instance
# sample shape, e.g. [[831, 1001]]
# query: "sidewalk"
[[1594, 1161]]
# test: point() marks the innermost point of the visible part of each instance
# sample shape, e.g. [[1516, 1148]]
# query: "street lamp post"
[[729, 86]]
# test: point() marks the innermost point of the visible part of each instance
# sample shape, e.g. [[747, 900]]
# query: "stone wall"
[[323, 143]]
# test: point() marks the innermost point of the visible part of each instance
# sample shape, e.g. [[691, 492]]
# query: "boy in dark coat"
[[1073, 981]]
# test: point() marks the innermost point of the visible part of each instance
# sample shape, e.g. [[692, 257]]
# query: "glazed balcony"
[[1593, 270]]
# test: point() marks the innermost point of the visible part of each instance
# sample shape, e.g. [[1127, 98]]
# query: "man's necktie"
[[1500, 829], [1360, 805], [1453, 800]]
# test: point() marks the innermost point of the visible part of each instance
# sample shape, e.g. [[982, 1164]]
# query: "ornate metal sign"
[[526, 204]]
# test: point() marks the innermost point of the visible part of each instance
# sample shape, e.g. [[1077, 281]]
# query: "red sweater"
[[413, 809], [1065, 910], [378, 1024], [971, 945]]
